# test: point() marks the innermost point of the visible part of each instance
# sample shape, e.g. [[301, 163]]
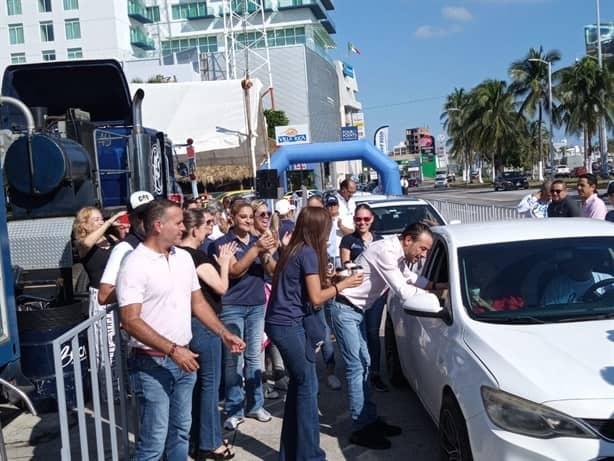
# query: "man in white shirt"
[[158, 293], [385, 266], [347, 207]]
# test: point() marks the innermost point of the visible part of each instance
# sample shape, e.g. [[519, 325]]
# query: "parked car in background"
[[511, 180], [578, 171], [562, 171], [515, 360], [441, 181], [393, 213], [297, 195]]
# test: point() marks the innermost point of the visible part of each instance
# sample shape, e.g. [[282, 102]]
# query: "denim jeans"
[[328, 350], [373, 320], [300, 432], [349, 327], [165, 397], [247, 322], [206, 427]]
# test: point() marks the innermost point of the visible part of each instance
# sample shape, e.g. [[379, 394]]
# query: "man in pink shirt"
[[592, 206], [158, 293]]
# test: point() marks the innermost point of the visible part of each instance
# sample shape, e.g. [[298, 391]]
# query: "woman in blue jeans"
[[243, 314], [349, 249], [299, 283], [213, 278]]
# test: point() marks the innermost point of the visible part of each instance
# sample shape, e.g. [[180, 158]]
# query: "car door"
[[431, 337]]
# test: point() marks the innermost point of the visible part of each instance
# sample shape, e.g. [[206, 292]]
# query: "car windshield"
[[511, 174], [394, 219], [549, 280]]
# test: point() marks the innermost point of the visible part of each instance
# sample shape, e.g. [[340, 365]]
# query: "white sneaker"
[[233, 422], [333, 382], [261, 415]]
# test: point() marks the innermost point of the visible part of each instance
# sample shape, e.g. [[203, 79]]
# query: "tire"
[[453, 436], [393, 364]]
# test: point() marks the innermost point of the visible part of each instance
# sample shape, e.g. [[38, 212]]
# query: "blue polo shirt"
[[286, 305], [356, 244], [247, 290], [286, 226]]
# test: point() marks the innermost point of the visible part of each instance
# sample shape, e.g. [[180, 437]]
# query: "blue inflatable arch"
[[387, 169]]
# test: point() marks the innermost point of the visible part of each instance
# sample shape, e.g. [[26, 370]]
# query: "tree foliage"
[[275, 118]]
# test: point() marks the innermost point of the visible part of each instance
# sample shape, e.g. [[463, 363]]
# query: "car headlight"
[[515, 414]]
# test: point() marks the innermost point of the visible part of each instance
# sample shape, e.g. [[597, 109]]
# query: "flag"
[[353, 49]]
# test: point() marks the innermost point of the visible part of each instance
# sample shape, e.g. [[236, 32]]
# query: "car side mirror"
[[425, 305]]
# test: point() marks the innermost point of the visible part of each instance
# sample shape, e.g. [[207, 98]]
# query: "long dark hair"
[[312, 229]]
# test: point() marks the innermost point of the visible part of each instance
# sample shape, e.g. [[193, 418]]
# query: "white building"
[[145, 34]]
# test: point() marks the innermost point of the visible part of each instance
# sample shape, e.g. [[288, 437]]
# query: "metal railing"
[[472, 213], [116, 437]]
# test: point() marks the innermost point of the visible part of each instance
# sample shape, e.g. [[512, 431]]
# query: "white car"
[[441, 180], [394, 213], [518, 361]]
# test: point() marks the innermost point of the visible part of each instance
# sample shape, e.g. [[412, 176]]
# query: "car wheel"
[[393, 364], [453, 436]]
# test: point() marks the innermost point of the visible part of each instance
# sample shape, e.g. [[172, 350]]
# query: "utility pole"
[[603, 132]]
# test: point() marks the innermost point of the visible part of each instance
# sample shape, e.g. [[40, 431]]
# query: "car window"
[[394, 219], [548, 280]]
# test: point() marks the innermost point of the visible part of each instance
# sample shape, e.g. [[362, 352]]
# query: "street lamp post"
[[551, 143], [603, 131]]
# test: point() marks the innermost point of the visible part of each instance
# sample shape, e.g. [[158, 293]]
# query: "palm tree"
[[530, 83], [454, 122], [586, 93], [493, 122]]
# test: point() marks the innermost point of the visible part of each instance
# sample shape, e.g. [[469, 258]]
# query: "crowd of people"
[[552, 200], [213, 301]]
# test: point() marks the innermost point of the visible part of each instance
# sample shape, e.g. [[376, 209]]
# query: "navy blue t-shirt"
[[286, 226], [290, 293], [356, 244], [247, 290]]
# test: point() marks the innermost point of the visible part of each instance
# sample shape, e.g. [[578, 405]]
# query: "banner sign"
[[349, 133], [348, 70], [358, 120], [381, 140], [293, 134], [427, 144]]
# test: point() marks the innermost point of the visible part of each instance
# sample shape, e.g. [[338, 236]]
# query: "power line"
[[403, 103]]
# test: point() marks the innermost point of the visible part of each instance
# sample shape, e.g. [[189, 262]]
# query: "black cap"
[[332, 200]]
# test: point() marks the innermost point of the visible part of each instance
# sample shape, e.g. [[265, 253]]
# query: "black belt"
[[343, 300]]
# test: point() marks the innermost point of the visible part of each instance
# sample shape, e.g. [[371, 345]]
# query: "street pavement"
[[28, 437]]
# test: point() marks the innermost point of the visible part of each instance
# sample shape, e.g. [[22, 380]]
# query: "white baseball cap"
[[138, 199], [283, 207]]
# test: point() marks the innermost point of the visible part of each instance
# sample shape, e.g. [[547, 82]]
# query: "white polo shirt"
[[347, 208], [164, 289], [111, 270]]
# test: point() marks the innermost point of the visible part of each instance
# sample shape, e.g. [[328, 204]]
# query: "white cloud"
[[427, 31], [456, 13]]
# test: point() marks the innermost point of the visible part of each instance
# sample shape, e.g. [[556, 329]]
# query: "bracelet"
[[221, 332], [336, 289], [172, 351]]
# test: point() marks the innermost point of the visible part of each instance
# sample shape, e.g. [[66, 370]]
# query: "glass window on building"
[[47, 31], [15, 34], [153, 13], [44, 6], [18, 58], [13, 7], [73, 29], [189, 10], [75, 53], [49, 55], [71, 4], [207, 44]]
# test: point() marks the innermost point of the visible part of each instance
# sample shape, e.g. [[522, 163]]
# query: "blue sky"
[[418, 51]]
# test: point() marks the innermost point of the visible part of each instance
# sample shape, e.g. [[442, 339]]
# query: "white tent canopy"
[[212, 113]]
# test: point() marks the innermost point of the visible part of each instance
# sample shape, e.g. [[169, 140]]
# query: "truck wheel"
[[393, 365]]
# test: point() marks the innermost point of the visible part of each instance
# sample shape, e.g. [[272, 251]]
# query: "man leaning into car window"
[[385, 266], [574, 282]]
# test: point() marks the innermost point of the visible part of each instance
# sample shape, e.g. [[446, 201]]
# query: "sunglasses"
[[264, 213], [556, 191], [358, 219]]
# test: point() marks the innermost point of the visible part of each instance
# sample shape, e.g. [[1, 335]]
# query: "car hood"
[[548, 362]]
